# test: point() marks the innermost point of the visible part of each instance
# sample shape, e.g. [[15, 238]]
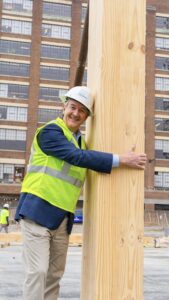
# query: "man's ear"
[[87, 116], [64, 106]]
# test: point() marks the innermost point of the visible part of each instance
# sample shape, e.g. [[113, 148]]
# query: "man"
[[51, 188], [4, 218]]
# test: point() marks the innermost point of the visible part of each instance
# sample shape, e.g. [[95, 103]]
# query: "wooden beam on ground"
[[113, 227]]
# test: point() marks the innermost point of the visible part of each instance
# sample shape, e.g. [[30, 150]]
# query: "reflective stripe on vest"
[[63, 174]]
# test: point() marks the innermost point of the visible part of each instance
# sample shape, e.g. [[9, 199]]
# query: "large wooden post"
[[112, 266]]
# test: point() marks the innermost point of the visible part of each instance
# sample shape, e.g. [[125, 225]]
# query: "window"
[[162, 84], [161, 180], [10, 134], [57, 11], [14, 69], [6, 173], [56, 31], [17, 48], [158, 144], [22, 114], [1, 172], [45, 114], [161, 207], [13, 139], [54, 73], [162, 24], [56, 52], [10, 173], [23, 6], [2, 134], [162, 149], [161, 124], [14, 26], [158, 180], [162, 43], [18, 173], [8, 90], [162, 103], [3, 90], [3, 112], [20, 135], [83, 13], [13, 113], [51, 94], [162, 63]]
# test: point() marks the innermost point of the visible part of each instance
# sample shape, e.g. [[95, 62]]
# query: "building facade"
[[157, 106], [39, 46]]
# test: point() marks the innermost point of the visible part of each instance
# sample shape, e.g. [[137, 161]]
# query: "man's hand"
[[133, 160]]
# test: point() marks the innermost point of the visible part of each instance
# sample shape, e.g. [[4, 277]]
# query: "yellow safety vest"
[[4, 214], [53, 179]]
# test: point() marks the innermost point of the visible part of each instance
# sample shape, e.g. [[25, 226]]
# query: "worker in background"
[[50, 191], [4, 218]]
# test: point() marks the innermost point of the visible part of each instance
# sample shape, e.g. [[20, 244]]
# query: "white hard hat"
[[6, 205], [81, 94]]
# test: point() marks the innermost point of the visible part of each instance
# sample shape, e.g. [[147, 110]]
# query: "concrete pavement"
[[12, 275], [156, 274]]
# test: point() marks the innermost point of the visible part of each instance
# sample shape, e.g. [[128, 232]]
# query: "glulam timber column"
[[112, 264]]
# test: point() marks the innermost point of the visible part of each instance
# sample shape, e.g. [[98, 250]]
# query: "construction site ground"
[[156, 265]]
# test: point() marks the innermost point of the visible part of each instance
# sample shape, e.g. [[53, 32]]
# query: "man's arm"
[[53, 142]]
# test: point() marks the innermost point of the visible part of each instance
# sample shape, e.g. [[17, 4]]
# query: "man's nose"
[[76, 112]]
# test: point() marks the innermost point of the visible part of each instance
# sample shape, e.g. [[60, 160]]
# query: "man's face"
[[75, 114]]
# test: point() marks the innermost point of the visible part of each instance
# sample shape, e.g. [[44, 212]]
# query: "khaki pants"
[[5, 227], [44, 256]]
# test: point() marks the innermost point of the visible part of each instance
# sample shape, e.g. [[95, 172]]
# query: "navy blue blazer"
[[53, 142]]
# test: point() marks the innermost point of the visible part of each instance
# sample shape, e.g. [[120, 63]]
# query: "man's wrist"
[[122, 159], [115, 161]]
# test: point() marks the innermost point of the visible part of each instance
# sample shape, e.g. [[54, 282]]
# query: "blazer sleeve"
[[53, 142]]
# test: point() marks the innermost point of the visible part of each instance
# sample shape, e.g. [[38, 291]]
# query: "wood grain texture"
[[112, 267]]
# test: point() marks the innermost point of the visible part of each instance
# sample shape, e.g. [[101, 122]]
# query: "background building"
[[39, 46], [157, 107]]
